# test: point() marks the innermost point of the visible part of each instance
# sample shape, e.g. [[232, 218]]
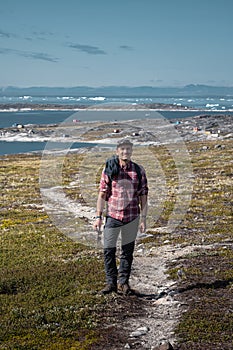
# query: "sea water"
[[43, 117], [18, 147], [206, 102]]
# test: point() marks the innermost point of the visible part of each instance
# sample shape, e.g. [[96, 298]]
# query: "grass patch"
[[208, 291], [209, 217], [206, 287], [48, 283]]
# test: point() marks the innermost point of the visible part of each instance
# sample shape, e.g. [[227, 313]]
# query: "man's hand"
[[97, 224], [99, 211], [142, 226], [144, 207]]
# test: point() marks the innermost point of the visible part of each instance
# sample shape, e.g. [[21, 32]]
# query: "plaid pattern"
[[123, 193]]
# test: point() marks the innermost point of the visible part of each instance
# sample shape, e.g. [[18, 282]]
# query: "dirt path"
[[161, 309]]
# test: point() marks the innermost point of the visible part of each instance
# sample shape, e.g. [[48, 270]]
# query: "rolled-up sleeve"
[[104, 183], [144, 185]]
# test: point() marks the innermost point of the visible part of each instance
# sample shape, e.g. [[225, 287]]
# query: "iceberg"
[[98, 98]]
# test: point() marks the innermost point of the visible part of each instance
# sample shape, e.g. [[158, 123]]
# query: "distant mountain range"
[[119, 91]]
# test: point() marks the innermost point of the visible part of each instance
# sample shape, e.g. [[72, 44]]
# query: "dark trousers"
[[128, 235]]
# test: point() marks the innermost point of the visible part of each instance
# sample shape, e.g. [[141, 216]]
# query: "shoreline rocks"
[[143, 132], [57, 106]]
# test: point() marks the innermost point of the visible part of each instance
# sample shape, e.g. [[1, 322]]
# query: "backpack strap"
[[139, 174], [112, 168]]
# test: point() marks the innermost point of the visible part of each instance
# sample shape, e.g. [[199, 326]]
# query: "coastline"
[[190, 128], [73, 107], [67, 108], [146, 124]]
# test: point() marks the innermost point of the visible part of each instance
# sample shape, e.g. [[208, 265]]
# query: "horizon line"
[[116, 86]]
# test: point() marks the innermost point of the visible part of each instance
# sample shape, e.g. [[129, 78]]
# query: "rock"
[[141, 251], [127, 346], [144, 235], [164, 346], [166, 241], [211, 125], [20, 126], [219, 146], [141, 246], [181, 274], [139, 332]]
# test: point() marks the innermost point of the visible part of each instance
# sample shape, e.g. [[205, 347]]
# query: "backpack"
[[112, 168]]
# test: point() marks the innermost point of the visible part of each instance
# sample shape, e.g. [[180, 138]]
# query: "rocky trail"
[[152, 325], [154, 328]]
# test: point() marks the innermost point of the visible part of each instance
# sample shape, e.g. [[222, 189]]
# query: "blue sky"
[[116, 42]]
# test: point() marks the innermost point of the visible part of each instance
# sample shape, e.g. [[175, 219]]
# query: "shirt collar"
[[127, 166]]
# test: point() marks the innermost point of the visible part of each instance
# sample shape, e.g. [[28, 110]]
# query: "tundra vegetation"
[[49, 283]]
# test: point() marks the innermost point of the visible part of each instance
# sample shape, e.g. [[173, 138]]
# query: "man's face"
[[124, 152]]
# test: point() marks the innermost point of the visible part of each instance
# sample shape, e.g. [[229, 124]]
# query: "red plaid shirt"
[[122, 193]]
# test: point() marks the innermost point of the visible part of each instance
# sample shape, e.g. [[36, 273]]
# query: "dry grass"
[[48, 282]]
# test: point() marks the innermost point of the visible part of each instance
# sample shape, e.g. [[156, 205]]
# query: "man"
[[123, 186]]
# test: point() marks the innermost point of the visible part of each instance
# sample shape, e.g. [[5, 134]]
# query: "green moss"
[[48, 283], [207, 290]]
